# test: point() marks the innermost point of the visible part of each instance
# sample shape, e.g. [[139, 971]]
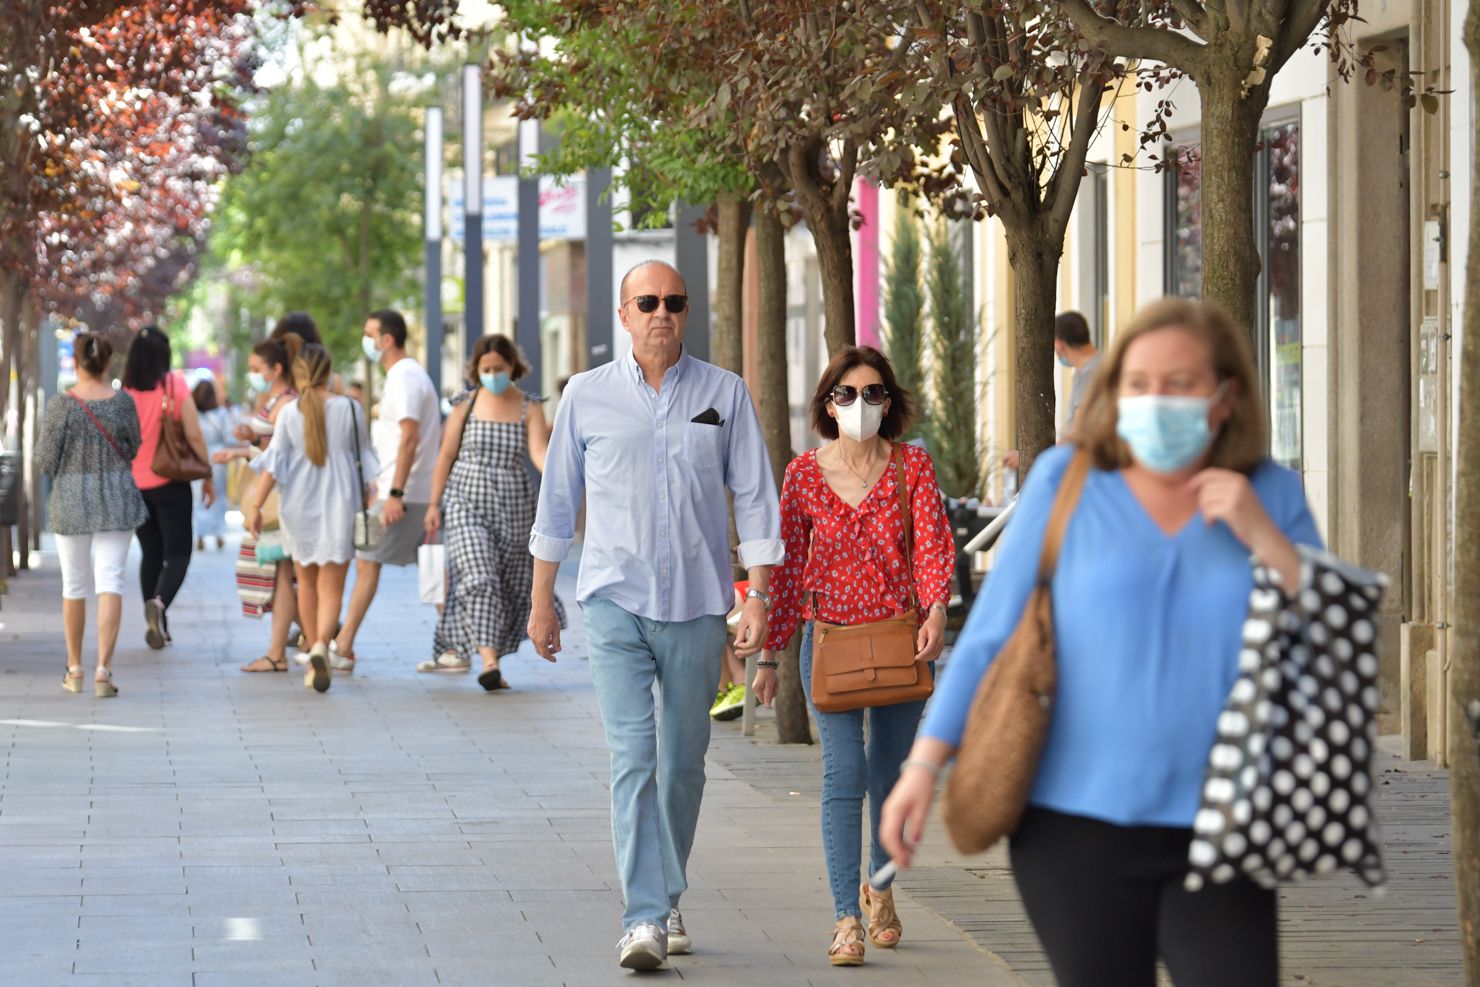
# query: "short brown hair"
[[1241, 444], [504, 347], [901, 402]]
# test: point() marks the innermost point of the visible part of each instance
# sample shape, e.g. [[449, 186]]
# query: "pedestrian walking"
[[483, 500], [1176, 492], [654, 439], [410, 420], [270, 376], [850, 561], [320, 453], [215, 427], [88, 439], [165, 536]]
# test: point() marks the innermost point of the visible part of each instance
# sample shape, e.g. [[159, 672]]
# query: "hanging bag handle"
[[1070, 487], [909, 524], [89, 412], [354, 417]]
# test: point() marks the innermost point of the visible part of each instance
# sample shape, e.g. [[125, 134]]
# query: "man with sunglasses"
[[655, 439]]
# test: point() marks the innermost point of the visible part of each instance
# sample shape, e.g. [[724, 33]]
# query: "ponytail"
[[310, 372]]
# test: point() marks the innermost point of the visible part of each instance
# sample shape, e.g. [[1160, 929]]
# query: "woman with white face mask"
[[842, 518], [483, 493], [1178, 502]]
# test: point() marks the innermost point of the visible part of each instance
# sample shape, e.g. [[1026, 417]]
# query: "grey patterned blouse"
[[92, 486]]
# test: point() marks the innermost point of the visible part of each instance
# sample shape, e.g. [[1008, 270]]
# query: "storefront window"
[[1277, 335]]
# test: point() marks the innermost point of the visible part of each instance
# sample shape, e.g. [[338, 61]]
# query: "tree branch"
[[1065, 186], [1147, 43], [1300, 23], [842, 188]]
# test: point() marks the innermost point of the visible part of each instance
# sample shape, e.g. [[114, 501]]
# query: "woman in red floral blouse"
[[845, 564]]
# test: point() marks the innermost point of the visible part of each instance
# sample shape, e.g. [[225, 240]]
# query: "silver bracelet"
[[914, 762]]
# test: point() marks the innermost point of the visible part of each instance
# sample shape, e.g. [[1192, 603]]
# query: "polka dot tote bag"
[[1289, 781]]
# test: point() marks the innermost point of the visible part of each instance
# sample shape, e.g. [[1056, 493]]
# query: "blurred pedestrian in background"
[[215, 427]]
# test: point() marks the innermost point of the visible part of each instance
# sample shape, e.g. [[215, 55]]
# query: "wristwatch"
[[398, 493], [759, 594]]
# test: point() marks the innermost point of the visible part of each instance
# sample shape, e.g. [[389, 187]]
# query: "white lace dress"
[[319, 503]]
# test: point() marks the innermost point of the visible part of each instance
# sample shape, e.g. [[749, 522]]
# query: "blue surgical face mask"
[[256, 381], [496, 383], [1165, 433], [1063, 360], [372, 353]]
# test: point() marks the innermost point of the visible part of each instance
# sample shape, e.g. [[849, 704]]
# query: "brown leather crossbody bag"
[[860, 665]]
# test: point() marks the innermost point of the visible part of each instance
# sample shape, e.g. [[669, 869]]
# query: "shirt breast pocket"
[[704, 445]]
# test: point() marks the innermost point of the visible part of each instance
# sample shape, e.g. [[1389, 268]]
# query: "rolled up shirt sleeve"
[[749, 477], [554, 528]]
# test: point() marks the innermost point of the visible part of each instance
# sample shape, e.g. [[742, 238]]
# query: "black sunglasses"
[[649, 303], [845, 394]]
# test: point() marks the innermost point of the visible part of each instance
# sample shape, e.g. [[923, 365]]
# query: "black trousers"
[[165, 541], [1107, 900]]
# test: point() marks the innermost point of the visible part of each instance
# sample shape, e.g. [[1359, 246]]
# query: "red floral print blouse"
[[852, 558]]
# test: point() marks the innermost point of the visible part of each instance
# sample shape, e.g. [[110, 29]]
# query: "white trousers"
[[93, 563]]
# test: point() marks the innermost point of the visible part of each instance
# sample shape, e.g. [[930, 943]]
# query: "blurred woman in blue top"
[[1149, 599]]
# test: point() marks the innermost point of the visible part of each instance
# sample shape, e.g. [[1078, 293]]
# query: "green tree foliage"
[[952, 428], [327, 214], [904, 306]]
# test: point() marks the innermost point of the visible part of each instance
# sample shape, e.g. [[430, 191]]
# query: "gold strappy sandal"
[[847, 943], [884, 928]]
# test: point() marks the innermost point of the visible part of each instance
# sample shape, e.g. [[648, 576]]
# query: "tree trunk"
[[734, 220], [834, 240], [775, 415], [1230, 256], [1035, 269], [25, 365], [1464, 682]]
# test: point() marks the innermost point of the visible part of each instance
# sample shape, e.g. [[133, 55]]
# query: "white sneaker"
[[338, 662], [644, 947], [301, 658], [446, 662], [679, 943]]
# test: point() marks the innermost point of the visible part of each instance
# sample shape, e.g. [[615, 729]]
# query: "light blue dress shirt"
[[657, 520], [1147, 631]]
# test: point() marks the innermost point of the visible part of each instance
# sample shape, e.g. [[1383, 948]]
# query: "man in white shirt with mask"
[[406, 443]]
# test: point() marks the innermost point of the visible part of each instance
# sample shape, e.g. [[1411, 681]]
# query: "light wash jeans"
[[657, 767], [853, 766]]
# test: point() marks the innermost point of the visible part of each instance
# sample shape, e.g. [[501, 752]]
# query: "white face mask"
[[860, 420]]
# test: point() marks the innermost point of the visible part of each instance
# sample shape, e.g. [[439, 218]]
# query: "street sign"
[[562, 208]]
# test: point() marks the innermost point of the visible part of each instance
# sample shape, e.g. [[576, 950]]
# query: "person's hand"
[[932, 636], [765, 683], [1227, 496], [750, 636], [223, 456], [208, 492], [1011, 460], [252, 520], [243, 432], [544, 629], [433, 519], [392, 511], [902, 818]]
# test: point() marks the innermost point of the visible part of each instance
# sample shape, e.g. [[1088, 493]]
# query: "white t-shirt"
[[408, 393]]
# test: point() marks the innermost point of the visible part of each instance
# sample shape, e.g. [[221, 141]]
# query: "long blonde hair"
[[311, 371], [1241, 444]]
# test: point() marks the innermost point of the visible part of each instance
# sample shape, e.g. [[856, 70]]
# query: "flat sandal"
[[884, 928]]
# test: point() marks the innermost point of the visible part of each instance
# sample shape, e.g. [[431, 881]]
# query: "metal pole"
[[432, 234], [527, 326], [692, 249], [599, 273], [472, 205]]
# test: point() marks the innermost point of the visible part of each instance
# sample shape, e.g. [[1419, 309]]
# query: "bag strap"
[[354, 418], [909, 523], [1063, 508], [89, 412]]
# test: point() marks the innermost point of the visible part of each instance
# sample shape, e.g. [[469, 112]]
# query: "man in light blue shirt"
[[655, 439]]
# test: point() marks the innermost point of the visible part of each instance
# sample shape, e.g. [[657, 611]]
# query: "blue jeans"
[[657, 758], [853, 766]]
